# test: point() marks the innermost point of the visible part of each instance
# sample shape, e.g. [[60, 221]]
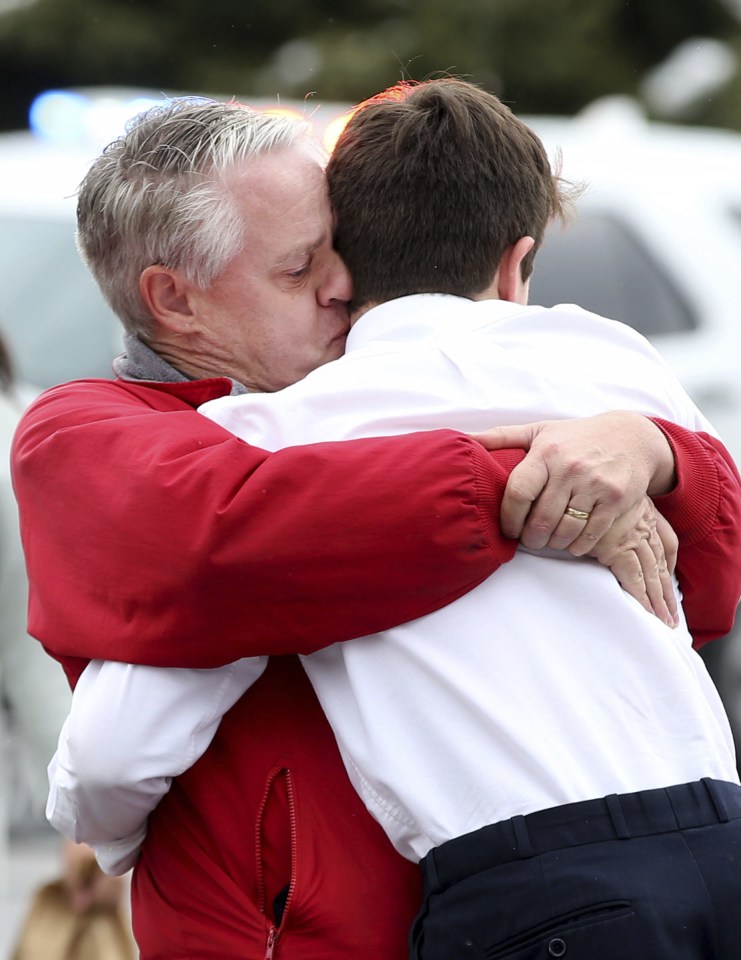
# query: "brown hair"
[[431, 182]]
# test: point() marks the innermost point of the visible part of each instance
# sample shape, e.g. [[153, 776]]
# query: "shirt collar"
[[424, 317]]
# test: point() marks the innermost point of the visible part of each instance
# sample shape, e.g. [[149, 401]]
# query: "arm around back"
[[155, 536]]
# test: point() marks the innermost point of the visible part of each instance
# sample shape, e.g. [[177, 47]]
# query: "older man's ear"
[[168, 297]]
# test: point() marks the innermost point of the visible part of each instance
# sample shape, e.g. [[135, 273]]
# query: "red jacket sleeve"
[[705, 511], [153, 535]]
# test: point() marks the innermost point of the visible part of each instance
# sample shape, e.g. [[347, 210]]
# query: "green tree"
[[539, 55]]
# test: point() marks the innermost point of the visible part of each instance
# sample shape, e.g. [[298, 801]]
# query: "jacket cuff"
[[692, 506], [491, 470]]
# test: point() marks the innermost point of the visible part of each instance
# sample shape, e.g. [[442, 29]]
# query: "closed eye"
[[300, 272]]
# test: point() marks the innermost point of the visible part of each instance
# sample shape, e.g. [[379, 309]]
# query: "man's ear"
[[167, 296], [511, 286]]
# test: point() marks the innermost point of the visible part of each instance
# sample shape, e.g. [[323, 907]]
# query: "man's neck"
[[141, 362]]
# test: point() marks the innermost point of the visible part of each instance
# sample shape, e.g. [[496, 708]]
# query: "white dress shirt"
[[546, 684]]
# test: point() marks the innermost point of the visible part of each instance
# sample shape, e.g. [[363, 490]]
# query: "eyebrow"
[[303, 251]]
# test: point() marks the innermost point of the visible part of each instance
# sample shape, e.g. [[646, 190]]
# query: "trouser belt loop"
[[617, 816], [429, 867], [716, 799], [522, 836]]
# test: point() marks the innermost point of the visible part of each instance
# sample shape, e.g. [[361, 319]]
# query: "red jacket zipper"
[[273, 931], [272, 937]]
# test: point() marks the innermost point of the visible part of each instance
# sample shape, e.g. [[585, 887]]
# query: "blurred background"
[[640, 101], [552, 56]]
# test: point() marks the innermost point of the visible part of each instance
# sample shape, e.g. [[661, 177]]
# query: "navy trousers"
[[640, 876]]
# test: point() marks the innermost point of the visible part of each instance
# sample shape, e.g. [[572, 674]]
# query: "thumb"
[[500, 438]]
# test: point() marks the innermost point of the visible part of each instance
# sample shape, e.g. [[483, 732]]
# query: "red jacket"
[[152, 535]]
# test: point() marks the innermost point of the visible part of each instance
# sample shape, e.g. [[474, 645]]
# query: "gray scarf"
[[140, 362]]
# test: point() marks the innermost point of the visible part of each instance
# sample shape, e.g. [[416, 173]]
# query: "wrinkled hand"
[[640, 548], [86, 884], [603, 466]]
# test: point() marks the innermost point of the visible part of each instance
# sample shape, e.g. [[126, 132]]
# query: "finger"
[[580, 537], [627, 570], [639, 575], [523, 487], [670, 596], [635, 558], [502, 438], [651, 551], [630, 573], [669, 540], [568, 531], [664, 579], [657, 582], [547, 523]]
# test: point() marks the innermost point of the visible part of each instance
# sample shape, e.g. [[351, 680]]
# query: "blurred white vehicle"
[[656, 243], [54, 320]]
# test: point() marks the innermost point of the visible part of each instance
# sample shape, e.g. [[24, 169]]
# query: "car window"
[[55, 320], [598, 262]]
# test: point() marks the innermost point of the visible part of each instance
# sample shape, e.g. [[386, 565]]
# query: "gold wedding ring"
[[576, 514]]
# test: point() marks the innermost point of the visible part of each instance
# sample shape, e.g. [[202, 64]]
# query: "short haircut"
[[160, 195], [430, 183]]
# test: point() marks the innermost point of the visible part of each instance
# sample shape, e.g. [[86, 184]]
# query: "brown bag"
[[52, 930]]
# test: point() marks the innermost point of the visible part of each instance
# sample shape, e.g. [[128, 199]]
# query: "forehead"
[[282, 191]]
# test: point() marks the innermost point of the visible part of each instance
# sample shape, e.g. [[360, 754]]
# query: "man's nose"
[[337, 283]]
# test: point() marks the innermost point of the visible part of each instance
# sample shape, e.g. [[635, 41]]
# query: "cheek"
[[301, 323]]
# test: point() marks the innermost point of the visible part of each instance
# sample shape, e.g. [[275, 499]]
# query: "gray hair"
[[159, 195]]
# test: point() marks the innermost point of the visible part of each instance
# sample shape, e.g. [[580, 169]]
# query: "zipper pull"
[[272, 937]]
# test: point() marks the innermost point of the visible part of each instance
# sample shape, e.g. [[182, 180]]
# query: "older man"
[[208, 228]]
